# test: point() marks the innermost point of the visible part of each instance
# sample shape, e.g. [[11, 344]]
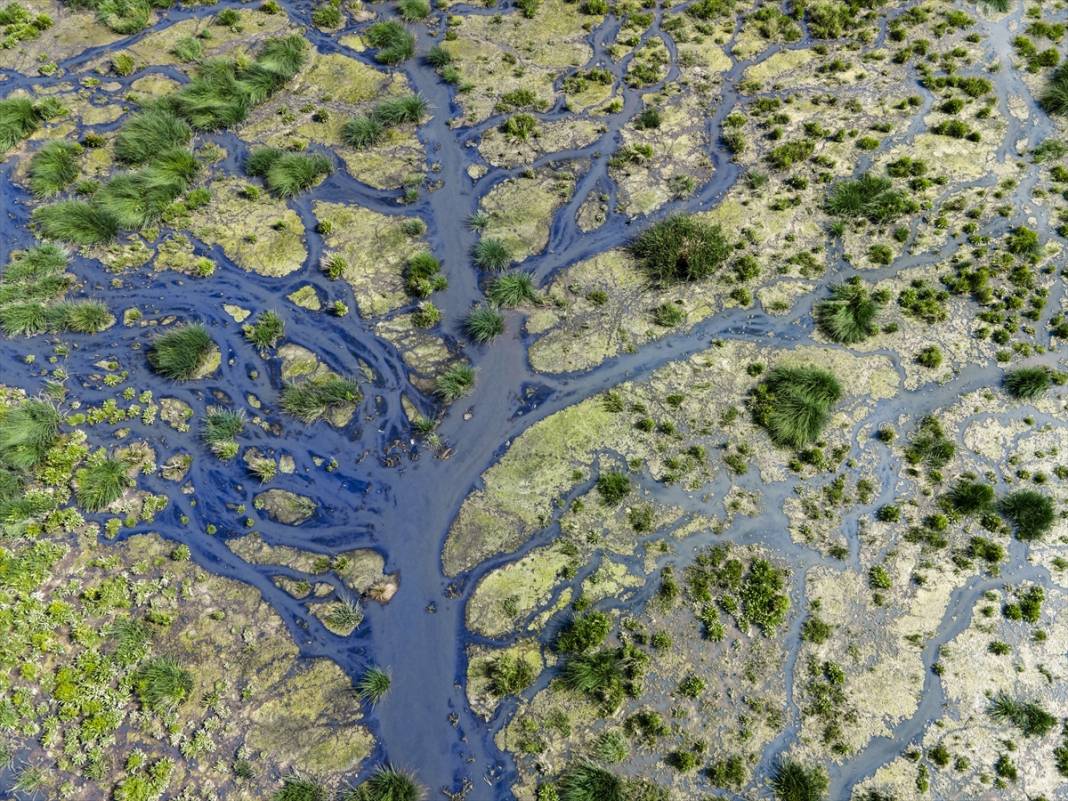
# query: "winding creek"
[[391, 493]]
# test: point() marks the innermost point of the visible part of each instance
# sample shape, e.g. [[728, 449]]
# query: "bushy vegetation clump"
[[1028, 383], [1030, 512], [930, 445], [510, 674], [387, 784], [367, 130], [27, 431], [423, 276], [32, 288], [870, 197], [147, 134], [223, 91], [221, 428], [265, 331], [76, 221], [311, 400], [971, 497], [1029, 717], [299, 788], [512, 289], [1055, 95], [588, 782], [100, 483], [849, 315], [793, 404], [373, 685], [492, 254], [162, 684], [680, 248], [54, 167], [286, 173], [20, 117], [393, 42], [484, 323], [584, 632], [792, 781], [179, 354], [455, 382], [18, 24]]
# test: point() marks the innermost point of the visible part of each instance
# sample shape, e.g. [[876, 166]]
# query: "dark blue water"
[[390, 492]]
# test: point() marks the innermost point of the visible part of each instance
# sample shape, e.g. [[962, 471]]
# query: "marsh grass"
[[484, 323], [362, 132], [1027, 383], [76, 221], [122, 16], [162, 685], [423, 276], [287, 174], [394, 43], [455, 382], [20, 117], [413, 10], [680, 248], [793, 404], [147, 134], [512, 289], [345, 614], [400, 110], [870, 197], [1030, 512], [101, 483], [588, 782], [266, 330], [54, 167], [31, 291], [1055, 95], [138, 198], [387, 784], [968, 497], [298, 788], [27, 431], [221, 428], [180, 353], [313, 399], [792, 781], [1030, 718], [492, 254], [849, 315], [373, 685]]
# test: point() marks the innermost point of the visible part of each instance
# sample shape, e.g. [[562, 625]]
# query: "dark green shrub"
[[1055, 96], [849, 315], [484, 323], [387, 784], [362, 132], [266, 330], [1030, 512], [295, 788], [793, 404], [179, 354], [510, 674], [970, 497], [413, 10], [401, 110], [27, 431], [680, 248], [373, 685]]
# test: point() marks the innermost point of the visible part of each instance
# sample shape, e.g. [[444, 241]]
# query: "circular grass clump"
[[793, 404], [587, 782], [792, 781], [180, 354], [484, 323], [512, 289], [362, 132], [388, 784], [680, 248], [1027, 383], [848, 316], [492, 254], [100, 484], [455, 382], [1030, 512], [162, 684]]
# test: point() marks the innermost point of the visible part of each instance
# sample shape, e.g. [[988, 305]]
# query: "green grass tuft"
[[870, 197], [124, 16], [76, 221], [492, 254], [373, 685], [400, 110], [179, 354], [393, 41], [587, 782], [969, 497], [512, 289], [287, 174], [680, 248], [1055, 96], [296, 788], [413, 10], [27, 431], [387, 784], [162, 685], [20, 117], [54, 167], [313, 399], [1028, 383], [149, 133], [362, 132], [99, 484], [1027, 716], [849, 315], [484, 323], [1030, 512], [455, 382], [267, 329], [793, 404], [792, 781]]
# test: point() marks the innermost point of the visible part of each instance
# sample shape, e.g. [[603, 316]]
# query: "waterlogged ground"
[[557, 549]]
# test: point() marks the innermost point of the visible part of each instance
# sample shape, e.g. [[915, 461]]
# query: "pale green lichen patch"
[[258, 232], [520, 210], [482, 693]]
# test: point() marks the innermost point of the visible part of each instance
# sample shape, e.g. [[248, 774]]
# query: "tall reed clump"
[[367, 130], [182, 353], [793, 404], [32, 290], [849, 315], [285, 173], [155, 141]]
